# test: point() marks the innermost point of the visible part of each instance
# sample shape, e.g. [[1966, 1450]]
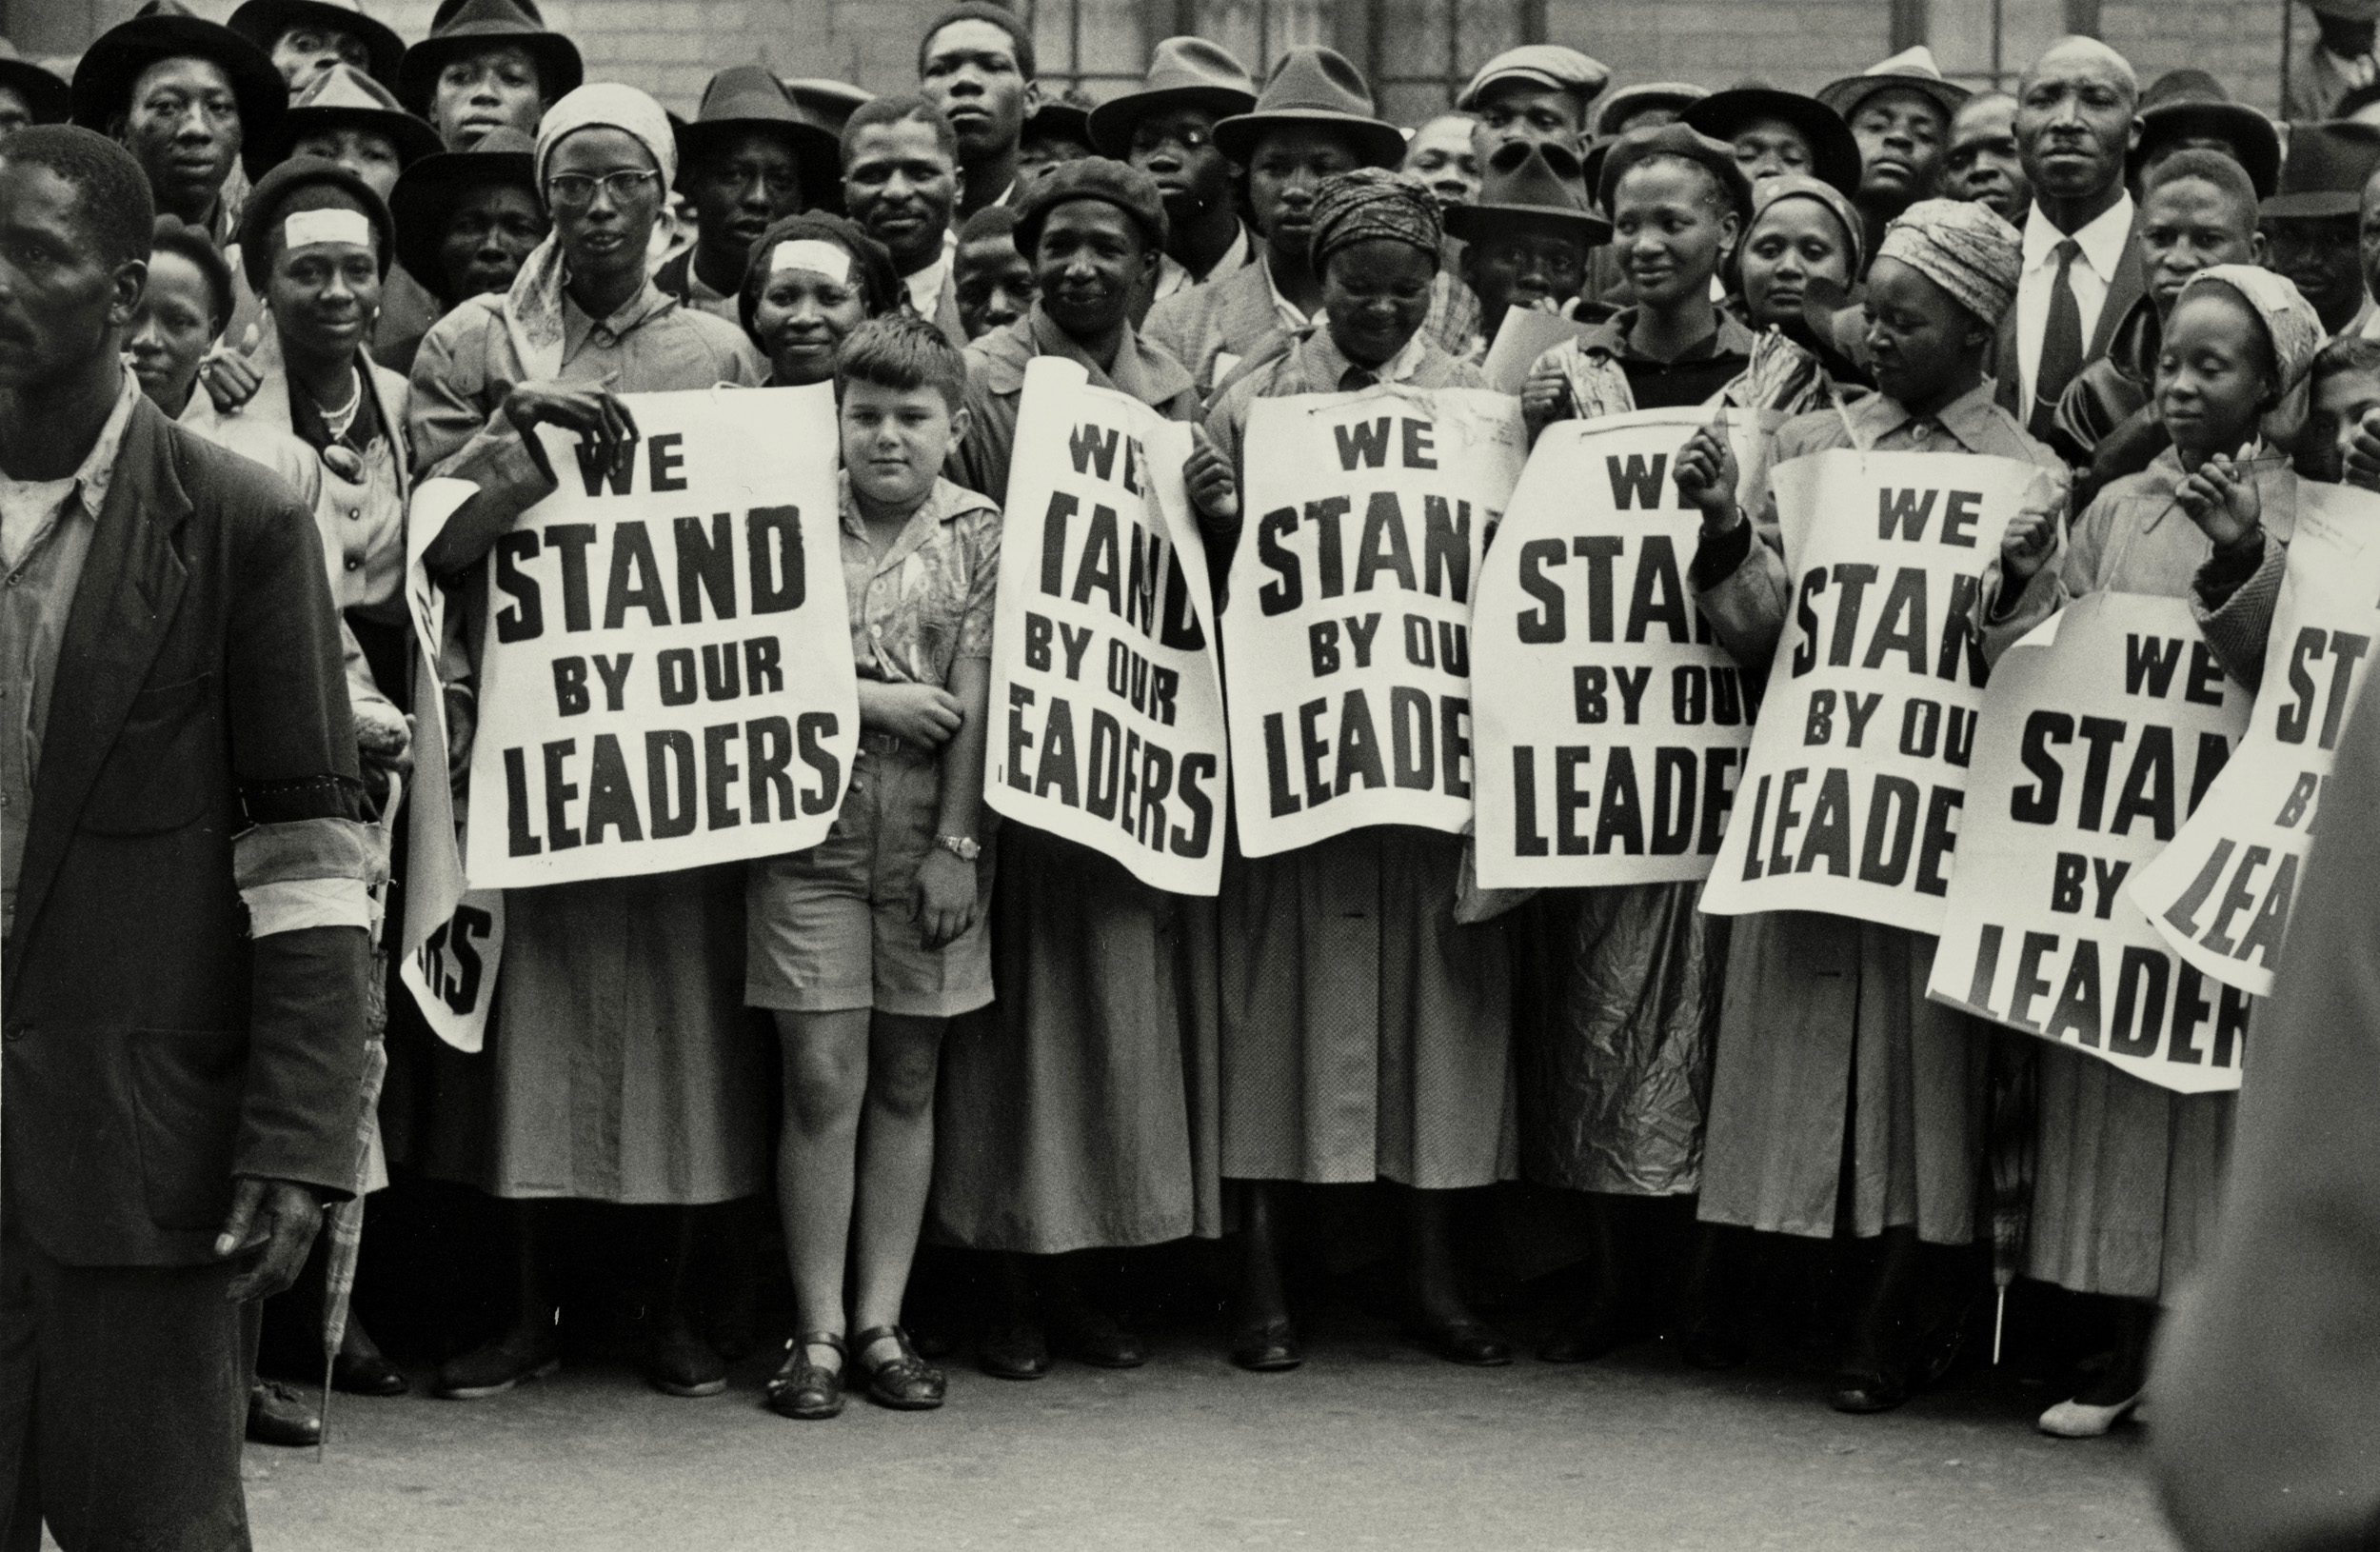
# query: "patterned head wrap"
[[1962, 246], [2291, 322], [1770, 192], [1371, 202], [533, 306]]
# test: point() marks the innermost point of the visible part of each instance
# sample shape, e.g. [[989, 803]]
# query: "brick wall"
[[670, 47]]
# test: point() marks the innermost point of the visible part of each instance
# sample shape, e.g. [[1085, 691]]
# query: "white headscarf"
[[2290, 321], [533, 306]]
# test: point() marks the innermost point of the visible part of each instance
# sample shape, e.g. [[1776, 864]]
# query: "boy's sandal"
[[904, 1382], [805, 1390]]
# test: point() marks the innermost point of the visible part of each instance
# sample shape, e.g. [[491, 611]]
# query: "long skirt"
[[2125, 1187], [1070, 1112], [1825, 1027], [619, 1063], [1365, 1033], [1617, 996]]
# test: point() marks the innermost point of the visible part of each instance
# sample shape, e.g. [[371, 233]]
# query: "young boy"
[[995, 282], [867, 944]]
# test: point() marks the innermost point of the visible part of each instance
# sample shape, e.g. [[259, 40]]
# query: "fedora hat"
[[1058, 119], [1912, 70], [1183, 72], [427, 193], [1834, 154], [466, 27], [2186, 104], [1674, 95], [1530, 184], [341, 96], [831, 103], [46, 96], [103, 78], [263, 22], [744, 98], [1316, 85], [2327, 168]]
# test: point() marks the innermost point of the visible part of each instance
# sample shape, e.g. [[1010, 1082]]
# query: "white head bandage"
[[809, 253], [303, 228]]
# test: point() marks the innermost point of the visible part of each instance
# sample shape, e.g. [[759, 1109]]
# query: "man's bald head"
[[2075, 54], [2076, 119]]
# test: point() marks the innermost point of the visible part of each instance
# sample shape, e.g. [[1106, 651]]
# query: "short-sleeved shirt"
[[927, 603]]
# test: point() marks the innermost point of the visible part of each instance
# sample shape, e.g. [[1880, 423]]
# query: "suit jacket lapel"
[[2122, 292], [132, 587]]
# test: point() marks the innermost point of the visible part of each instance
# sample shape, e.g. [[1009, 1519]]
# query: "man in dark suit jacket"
[[2074, 124], [183, 877]]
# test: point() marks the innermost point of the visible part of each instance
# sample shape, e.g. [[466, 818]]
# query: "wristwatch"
[[961, 847]]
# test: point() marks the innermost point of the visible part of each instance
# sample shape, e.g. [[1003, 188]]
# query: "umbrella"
[[2010, 1154]]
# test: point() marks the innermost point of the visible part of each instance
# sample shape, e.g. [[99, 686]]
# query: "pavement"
[[1371, 1445]]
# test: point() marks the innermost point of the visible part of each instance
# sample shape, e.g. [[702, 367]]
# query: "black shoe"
[[1589, 1332], [682, 1364], [494, 1367], [807, 1391], [1092, 1335], [277, 1414], [1465, 1339], [1016, 1350], [367, 1374], [1864, 1387], [904, 1381], [1266, 1347]]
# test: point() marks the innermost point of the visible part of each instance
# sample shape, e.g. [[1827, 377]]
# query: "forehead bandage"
[[809, 253], [308, 226]]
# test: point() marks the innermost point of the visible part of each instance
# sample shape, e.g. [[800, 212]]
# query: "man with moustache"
[[899, 183], [976, 65], [183, 96], [1167, 131], [1982, 163], [749, 159], [2074, 127]]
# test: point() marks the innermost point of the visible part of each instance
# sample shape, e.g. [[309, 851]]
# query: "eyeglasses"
[[576, 190]]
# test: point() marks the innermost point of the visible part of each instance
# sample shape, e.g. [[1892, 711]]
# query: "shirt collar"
[[1153, 379], [2103, 241], [1967, 418], [1325, 364], [1173, 275], [1290, 316], [943, 503], [925, 289], [99, 466], [645, 306]]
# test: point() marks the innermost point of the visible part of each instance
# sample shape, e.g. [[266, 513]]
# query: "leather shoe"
[[2081, 1420], [682, 1364], [904, 1381], [1868, 1390], [1466, 1341], [495, 1366], [277, 1414], [367, 1374], [807, 1391], [1095, 1337], [1267, 1346], [1015, 1351]]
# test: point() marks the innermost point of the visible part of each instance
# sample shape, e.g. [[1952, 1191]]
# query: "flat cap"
[[1128, 189], [1540, 64]]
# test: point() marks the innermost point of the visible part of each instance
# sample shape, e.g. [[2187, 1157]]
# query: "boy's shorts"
[[831, 928]]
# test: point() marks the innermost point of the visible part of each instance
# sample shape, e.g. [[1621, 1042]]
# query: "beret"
[[1128, 189]]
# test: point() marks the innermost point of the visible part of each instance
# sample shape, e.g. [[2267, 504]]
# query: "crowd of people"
[[365, 265]]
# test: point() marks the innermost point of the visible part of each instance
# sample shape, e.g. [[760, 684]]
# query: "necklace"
[[338, 421]]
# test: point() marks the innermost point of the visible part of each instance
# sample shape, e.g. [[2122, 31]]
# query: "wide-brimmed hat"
[[1834, 154], [425, 195], [1317, 85], [263, 22], [466, 27], [264, 204], [1530, 184], [1055, 118], [1912, 70], [1183, 72], [1110, 182], [1674, 95], [744, 98], [342, 96], [2188, 103], [2328, 166], [102, 79], [1547, 65], [1680, 139], [831, 103], [46, 94]]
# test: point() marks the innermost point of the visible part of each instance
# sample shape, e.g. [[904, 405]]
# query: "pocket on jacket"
[[186, 1089], [150, 780]]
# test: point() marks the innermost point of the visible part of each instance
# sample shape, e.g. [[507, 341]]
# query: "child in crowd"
[[866, 944], [995, 281]]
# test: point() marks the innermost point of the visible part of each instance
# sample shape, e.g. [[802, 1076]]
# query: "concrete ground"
[[1371, 1445]]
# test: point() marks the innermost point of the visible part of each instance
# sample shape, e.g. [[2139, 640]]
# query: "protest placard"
[[452, 975], [667, 678], [1107, 705], [1611, 725], [1850, 801], [2102, 731], [2221, 892], [1347, 636]]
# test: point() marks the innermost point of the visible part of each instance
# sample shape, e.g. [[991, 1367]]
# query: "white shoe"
[[2079, 1419]]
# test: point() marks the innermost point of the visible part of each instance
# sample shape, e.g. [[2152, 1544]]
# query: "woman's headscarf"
[[1772, 192], [1964, 248], [870, 267], [533, 306], [2290, 321], [1371, 202]]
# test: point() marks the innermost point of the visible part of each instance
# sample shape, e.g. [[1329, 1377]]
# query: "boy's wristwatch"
[[961, 847]]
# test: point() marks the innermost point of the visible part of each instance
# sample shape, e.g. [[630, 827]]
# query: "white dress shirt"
[[1173, 276], [925, 289], [2105, 244]]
